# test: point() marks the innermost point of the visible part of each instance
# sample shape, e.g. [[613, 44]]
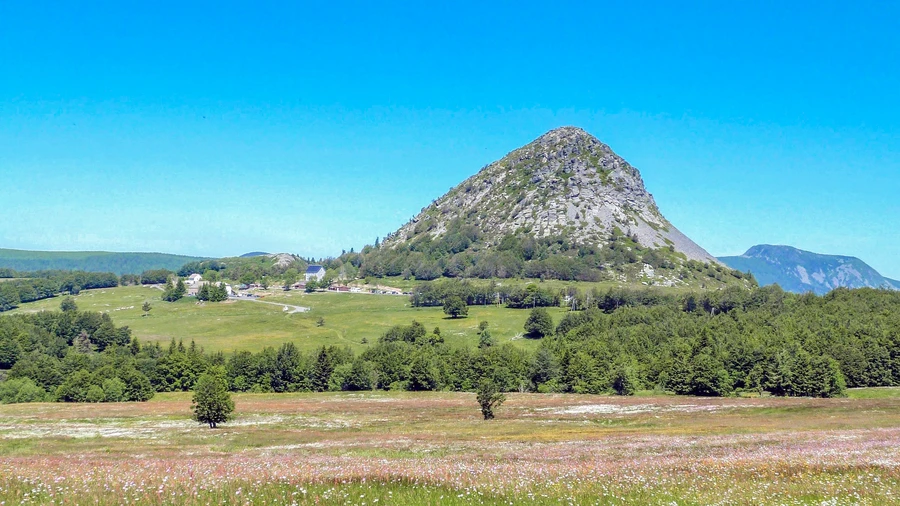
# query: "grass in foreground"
[[432, 448]]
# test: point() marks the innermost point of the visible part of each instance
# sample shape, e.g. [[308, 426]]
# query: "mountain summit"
[[565, 183]]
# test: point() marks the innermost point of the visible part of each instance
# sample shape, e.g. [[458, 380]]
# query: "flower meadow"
[[433, 449]]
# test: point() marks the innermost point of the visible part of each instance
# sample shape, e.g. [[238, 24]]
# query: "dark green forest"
[[461, 252], [90, 261], [711, 343], [31, 286]]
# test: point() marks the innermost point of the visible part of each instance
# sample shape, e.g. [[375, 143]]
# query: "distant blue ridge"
[[800, 271]]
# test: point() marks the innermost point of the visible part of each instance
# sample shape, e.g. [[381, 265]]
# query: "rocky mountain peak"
[[564, 183]]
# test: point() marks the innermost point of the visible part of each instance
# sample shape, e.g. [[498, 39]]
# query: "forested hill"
[[801, 271], [91, 261]]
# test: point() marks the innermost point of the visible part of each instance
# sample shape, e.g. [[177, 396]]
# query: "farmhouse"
[[316, 272], [193, 279]]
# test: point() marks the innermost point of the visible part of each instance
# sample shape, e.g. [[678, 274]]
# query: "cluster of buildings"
[[313, 273]]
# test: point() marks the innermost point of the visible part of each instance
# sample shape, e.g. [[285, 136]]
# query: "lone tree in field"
[[68, 305], [489, 397], [539, 323], [146, 308], [212, 403], [455, 307]]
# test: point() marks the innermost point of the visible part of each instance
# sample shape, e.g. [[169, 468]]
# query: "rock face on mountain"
[[801, 271], [566, 183]]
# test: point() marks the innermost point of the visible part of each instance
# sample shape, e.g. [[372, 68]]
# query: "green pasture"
[[874, 393], [246, 325]]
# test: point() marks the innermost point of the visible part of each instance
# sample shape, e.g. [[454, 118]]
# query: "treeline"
[[460, 252], [713, 344], [32, 286], [70, 355], [437, 292], [89, 261]]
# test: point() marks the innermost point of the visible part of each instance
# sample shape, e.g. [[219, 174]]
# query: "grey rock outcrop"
[[567, 183]]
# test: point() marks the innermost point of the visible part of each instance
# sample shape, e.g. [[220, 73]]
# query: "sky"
[[220, 128]]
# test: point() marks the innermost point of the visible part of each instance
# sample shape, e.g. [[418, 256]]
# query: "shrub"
[[539, 323], [624, 380], [113, 390], [489, 397], [21, 390], [94, 394]]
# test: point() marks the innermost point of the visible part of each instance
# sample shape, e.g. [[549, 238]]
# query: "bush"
[[361, 376], [489, 397], [624, 380], [137, 386], [398, 385], [94, 394], [539, 323], [113, 390], [21, 390], [75, 387]]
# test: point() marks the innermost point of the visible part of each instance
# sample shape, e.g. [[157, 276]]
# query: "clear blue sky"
[[216, 129]]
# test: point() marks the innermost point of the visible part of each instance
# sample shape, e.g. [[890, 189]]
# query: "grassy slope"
[[245, 325], [93, 261]]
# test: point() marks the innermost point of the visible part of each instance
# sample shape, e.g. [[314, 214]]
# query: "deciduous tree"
[[455, 307], [211, 402]]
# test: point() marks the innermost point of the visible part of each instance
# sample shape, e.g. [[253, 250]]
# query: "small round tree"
[[212, 403], [539, 323], [68, 305], [455, 307]]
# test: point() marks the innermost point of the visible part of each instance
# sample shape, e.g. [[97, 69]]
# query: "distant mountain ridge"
[[91, 261], [800, 271]]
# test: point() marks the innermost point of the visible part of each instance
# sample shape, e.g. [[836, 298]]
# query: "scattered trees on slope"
[[714, 343]]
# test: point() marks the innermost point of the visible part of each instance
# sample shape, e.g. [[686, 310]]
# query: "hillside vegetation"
[[90, 261], [709, 344]]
